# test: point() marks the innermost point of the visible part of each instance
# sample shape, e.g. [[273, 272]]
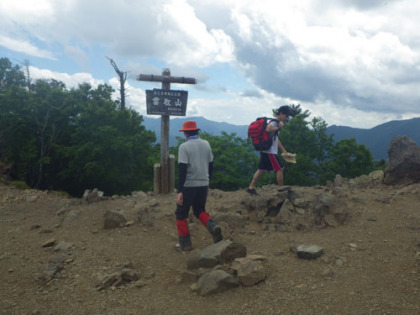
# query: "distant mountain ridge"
[[377, 139], [212, 127]]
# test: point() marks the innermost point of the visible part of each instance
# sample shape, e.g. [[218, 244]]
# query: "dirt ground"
[[371, 264]]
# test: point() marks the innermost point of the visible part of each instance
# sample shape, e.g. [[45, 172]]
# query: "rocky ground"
[[57, 257]]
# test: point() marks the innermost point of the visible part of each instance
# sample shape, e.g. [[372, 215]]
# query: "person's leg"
[[277, 167], [205, 218], [181, 214], [279, 176], [255, 179]]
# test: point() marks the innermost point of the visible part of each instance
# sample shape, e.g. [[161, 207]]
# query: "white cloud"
[[24, 47], [338, 58], [71, 81]]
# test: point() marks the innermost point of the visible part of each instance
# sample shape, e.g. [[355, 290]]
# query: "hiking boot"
[[184, 243], [252, 191], [215, 230], [187, 248]]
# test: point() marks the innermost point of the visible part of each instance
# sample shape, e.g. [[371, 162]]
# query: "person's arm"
[[182, 175], [281, 146], [272, 128], [210, 169]]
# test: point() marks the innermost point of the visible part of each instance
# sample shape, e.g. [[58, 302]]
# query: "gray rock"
[[62, 246], [309, 251], [144, 216], [124, 276], [93, 196], [49, 243], [71, 217], [403, 162], [114, 219], [215, 254], [338, 180], [139, 194], [215, 281], [328, 204], [249, 271]]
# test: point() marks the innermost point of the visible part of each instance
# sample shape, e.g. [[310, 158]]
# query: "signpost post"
[[166, 102]]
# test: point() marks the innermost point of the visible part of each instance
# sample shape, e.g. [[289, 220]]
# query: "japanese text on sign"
[[166, 102]]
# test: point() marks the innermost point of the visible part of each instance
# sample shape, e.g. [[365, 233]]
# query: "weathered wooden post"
[[156, 178], [171, 172], [166, 102]]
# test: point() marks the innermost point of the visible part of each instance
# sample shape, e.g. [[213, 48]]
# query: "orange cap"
[[189, 125]]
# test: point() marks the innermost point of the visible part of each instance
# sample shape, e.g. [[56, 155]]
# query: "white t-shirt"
[[275, 146], [197, 154]]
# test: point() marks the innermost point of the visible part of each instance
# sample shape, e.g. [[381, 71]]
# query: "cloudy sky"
[[351, 62]]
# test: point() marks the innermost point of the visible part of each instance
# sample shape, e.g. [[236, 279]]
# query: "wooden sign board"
[[166, 102]]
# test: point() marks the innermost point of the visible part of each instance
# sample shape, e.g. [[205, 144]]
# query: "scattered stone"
[[139, 195], [93, 196], [309, 251], [116, 279], [221, 252], [249, 271], [215, 281], [129, 275], [328, 272], [114, 219], [106, 281], [188, 277], [49, 243], [71, 217], [144, 216], [377, 177], [55, 265], [62, 246], [353, 246]]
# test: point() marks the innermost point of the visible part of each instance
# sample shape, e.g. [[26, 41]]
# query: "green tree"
[[10, 75], [109, 149], [350, 159], [234, 163], [72, 140]]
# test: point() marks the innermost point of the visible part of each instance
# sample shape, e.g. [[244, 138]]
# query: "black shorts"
[[195, 197], [269, 163]]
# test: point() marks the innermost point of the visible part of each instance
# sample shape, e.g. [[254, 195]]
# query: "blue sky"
[[351, 62]]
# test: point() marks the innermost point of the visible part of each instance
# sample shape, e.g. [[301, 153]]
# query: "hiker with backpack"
[[195, 164], [265, 139]]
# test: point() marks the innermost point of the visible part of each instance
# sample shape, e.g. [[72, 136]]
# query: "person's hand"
[[180, 199], [281, 124]]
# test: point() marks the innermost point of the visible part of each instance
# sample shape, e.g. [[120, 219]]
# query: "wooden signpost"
[[165, 102]]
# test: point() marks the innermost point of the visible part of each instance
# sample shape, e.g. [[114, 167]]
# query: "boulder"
[[114, 219], [213, 255], [403, 162], [309, 251], [215, 281], [249, 271]]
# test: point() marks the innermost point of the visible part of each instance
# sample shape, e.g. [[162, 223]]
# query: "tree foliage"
[[72, 140]]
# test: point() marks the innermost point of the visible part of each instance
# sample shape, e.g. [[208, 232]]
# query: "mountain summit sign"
[[166, 102]]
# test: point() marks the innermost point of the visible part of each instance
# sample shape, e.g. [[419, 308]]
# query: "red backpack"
[[261, 139]]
